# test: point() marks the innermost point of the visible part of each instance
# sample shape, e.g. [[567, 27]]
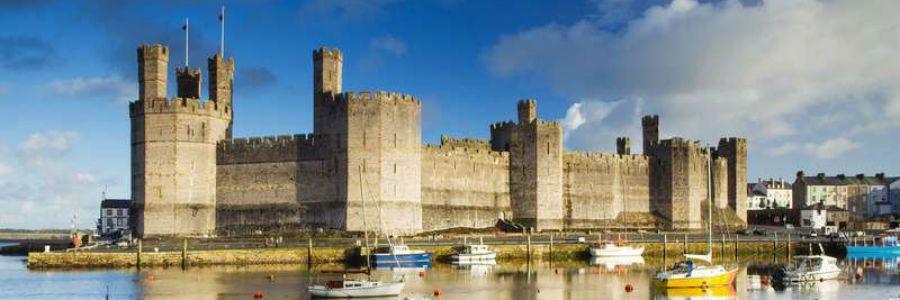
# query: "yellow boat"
[[685, 275]]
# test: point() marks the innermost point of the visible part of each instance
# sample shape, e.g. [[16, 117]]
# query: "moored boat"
[[688, 275], [399, 254], [356, 289], [806, 268], [474, 253], [615, 249]]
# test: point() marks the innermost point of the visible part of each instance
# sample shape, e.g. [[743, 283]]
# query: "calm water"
[[571, 280]]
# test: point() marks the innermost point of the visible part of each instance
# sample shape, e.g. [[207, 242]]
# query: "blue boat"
[[889, 246], [400, 254]]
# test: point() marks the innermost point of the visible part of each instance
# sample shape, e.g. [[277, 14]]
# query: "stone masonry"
[[365, 166]]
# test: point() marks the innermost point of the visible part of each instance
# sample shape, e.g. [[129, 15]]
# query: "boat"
[[356, 289], [474, 253], [399, 255], [360, 288], [807, 268], [889, 245], [610, 249], [687, 274]]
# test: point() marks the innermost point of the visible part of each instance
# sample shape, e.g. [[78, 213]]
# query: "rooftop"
[[115, 203]]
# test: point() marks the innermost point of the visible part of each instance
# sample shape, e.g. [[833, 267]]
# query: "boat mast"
[[709, 202], [362, 197]]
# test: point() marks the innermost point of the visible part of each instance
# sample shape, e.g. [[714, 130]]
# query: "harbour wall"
[[321, 255]]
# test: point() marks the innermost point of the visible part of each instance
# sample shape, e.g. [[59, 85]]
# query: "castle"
[[364, 165]]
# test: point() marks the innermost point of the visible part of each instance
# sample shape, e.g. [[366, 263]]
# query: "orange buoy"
[[421, 273], [629, 288], [257, 295], [764, 280], [150, 277], [437, 292]]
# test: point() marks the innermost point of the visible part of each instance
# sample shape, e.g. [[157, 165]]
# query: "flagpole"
[[222, 32], [187, 30]]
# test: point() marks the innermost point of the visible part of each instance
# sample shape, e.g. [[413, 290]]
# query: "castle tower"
[[173, 153], [650, 126], [153, 66], [221, 86], [735, 150], [527, 111], [536, 168], [681, 173], [188, 82], [623, 145], [327, 80], [720, 181]]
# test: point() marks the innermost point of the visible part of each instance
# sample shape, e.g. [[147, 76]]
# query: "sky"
[[813, 85]]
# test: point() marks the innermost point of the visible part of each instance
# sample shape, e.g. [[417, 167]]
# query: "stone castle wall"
[[464, 184], [364, 166], [173, 144], [598, 187]]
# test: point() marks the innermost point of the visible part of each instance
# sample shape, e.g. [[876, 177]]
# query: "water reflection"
[[505, 280]]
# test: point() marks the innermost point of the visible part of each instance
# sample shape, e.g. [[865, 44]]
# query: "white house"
[[113, 215], [773, 194]]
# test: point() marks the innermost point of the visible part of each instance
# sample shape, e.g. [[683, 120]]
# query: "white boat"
[[610, 249], [356, 289], [474, 253], [806, 268]]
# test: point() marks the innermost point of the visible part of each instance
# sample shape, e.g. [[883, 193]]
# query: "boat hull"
[[384, 290], [384, 258], [815, 276], [723, 279], [873, 249], [461, 257], [617, 252]]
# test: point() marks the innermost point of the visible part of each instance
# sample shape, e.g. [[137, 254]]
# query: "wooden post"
[[736, 246], [309, 256], [140, 249], [775, 246], [551, 247], [665, 248], [528, 247], [184, 254], [788, 250], [684, 248]]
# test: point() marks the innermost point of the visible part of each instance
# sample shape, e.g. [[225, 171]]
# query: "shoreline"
[[350, 255]]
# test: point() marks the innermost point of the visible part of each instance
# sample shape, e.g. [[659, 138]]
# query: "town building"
[[365, 166], [819, 215], [777, 193], [863, 197], [114, 215]]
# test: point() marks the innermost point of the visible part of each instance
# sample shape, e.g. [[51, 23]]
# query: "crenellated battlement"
[[378, 96], [452, 149], [468, 143], [604, 156], [503, 126], [179, 105], [325, 52], [271, 148]]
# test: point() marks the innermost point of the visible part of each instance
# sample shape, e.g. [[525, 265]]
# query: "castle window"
[[395, 140], [364, 138], [395, 168], [548, 148]]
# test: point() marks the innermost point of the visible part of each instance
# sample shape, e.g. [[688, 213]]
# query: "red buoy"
[[257, 295], [437, 292], [629, 288], [421, 273]]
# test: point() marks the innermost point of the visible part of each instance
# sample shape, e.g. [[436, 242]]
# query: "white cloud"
[[52, 190], [834, 147], [113, 88], [798, 70], [5, 170], [388, 44], [827, 149]]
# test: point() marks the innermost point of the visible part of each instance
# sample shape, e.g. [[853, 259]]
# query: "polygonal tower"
[[735, 151], [535, 171], [650, 127], [173, 151]]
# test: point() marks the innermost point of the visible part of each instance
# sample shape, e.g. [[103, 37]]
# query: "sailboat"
[[686, 274], [358, 288], [807, 268], [617, 248]]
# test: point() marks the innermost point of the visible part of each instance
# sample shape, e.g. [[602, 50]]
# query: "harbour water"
[[507, 280]]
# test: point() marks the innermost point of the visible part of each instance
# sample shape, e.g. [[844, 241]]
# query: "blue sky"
[[814, 85]]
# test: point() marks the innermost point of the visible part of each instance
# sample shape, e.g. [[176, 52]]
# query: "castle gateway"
[[366, 156]]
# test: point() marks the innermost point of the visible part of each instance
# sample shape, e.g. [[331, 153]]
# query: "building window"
[[120, 212], [109, 212]]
